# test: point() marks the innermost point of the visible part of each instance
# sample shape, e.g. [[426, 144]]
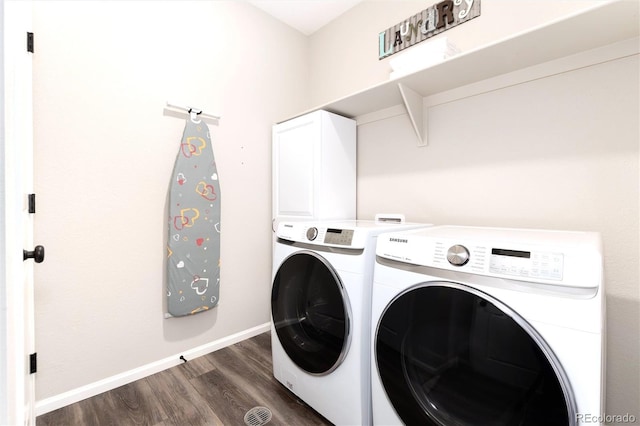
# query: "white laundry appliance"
[[321, 313], [488, 326]]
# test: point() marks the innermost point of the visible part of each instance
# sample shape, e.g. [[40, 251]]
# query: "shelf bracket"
[[413, 102]]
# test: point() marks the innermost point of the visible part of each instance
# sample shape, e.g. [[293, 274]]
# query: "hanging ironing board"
[[193, 265]]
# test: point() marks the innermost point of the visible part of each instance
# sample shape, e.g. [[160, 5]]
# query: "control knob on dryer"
[[312, 233], [458, 255]]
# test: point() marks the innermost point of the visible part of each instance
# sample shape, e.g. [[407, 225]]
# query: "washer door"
[[448, 354], [310, 311]]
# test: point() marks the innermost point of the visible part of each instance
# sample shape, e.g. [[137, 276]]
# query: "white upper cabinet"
[[314, 168]]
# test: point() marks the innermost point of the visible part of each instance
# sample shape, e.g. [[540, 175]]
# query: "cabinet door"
[[294, 154]]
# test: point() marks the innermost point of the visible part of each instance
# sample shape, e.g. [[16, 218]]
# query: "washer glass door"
[[310, 311], [448, 354]]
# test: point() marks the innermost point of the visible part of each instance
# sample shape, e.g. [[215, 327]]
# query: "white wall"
[[104, 154], [4, 409], [344, 53], [557, 153], [560, 152]]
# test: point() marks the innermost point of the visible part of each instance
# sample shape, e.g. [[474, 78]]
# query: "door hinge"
[[32, 203], [30, 42], [33, 363]]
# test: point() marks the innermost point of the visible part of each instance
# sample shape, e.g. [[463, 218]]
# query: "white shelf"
[[602, 25]]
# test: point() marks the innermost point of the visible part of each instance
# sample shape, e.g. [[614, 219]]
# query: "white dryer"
[[321, 314], [487, 326]]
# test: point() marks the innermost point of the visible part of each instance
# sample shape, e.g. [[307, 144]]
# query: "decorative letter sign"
[[431, 21]]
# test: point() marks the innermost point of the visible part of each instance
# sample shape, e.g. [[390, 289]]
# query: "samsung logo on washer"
[[398, 240], [431, 21]]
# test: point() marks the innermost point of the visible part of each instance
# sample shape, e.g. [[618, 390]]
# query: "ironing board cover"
[[193, 265]]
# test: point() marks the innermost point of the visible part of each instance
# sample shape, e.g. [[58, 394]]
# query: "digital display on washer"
[[336, 236], [512, 253], [544, 265]]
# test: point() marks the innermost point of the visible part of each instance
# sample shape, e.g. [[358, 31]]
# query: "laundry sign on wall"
[[433, 20]]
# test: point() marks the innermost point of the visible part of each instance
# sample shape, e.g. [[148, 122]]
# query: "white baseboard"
[[92, 389]]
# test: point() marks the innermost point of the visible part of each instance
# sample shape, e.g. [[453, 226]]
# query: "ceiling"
[[307, 16]]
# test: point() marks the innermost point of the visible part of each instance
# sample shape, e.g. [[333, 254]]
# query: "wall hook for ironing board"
[[194, 113]]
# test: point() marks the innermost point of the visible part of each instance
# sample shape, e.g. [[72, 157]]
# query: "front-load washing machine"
[[321, 313], [487, 326]]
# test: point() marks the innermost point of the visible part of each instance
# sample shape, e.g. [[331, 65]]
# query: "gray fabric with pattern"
[[193, 264]]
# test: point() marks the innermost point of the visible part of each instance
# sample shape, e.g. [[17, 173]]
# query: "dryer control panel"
[[330, 236], [341, 237], [346, 234], [322, 235]]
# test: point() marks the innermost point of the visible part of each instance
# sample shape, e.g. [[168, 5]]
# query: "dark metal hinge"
[[30, 42], [33, 363], [32, 203]]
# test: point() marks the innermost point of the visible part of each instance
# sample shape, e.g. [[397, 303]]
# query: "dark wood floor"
[[215, 389]]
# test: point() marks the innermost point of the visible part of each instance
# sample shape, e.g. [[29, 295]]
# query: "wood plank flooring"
[[215, 389]]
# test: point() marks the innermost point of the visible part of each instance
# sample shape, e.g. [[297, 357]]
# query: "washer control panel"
[[558, 258], [502, 261], [531, 264], [458, 255], [468, 257]]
